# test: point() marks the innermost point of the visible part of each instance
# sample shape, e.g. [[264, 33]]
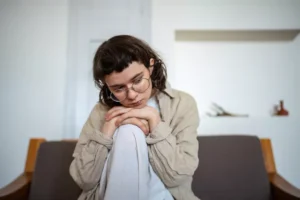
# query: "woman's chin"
[[140, 105]]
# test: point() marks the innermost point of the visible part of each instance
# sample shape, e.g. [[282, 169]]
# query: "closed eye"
[[118, 89], [138, 80]]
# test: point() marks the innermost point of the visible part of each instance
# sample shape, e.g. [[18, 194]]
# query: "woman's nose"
[[131, 94]]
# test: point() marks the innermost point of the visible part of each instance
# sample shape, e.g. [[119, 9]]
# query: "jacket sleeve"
[[91, 151], [173, 152]]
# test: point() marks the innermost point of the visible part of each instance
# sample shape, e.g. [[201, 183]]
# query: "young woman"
[[140, 140]]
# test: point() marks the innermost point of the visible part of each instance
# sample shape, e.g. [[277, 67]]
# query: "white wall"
[[33, 47], [91, 22], [242, 76], [43, 46]]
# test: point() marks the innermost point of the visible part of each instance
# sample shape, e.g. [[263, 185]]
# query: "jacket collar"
[[169, 90]]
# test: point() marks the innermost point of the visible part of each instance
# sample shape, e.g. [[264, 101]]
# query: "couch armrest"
[[282, 189], [18, 189]]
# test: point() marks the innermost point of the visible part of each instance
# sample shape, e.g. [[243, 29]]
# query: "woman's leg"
[[128, 172]]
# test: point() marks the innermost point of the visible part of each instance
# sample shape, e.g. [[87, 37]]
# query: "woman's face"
[[133, 86]]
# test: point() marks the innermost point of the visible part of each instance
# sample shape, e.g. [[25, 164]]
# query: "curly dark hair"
[[116, 54]]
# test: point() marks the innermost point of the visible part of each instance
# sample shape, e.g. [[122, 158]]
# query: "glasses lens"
[[141, 86], [119, 97]]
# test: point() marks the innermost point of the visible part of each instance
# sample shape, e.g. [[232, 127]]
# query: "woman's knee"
[[130, 133], [130, 128], [130, 139]]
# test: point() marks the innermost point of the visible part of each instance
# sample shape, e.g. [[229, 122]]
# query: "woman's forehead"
[[124, 77]]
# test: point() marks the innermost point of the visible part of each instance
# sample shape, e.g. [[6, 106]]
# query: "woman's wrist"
[[106, 131], [154, 120]]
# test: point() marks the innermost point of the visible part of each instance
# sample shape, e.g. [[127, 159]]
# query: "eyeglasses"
[[139, 86]]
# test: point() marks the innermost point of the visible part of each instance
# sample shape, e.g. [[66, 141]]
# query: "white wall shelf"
[[237, 35]]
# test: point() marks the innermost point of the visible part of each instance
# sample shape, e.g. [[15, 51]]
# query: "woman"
[[140, 140]]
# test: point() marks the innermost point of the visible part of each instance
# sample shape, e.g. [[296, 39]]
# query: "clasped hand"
[[145, 118]]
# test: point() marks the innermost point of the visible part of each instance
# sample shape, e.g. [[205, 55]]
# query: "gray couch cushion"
[[51, 179], [231, 168]]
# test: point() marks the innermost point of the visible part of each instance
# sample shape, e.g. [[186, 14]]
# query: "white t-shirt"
[[153, 103]]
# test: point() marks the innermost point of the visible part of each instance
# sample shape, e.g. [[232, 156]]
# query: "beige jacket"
[[172, 147]]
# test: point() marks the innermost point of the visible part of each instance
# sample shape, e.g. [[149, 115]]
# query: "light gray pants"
[[127, 173]]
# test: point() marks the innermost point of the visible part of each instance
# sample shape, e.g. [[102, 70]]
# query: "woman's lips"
[[136, 103]]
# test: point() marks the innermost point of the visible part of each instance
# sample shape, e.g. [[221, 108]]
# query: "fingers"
[[147, 125], [135, 121], [124, 113], [129, 114], [116, 111]]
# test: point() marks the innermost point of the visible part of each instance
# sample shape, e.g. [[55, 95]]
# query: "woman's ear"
[[151, 65]]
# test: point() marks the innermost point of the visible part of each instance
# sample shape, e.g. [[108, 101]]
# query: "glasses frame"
[[115, 99]]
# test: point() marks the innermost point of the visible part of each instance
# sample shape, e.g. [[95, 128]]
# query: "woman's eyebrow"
[[135, 76]]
